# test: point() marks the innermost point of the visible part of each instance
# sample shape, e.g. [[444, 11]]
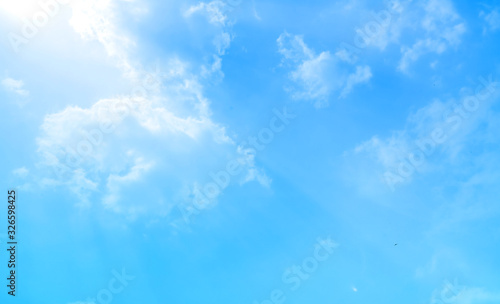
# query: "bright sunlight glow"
[[18, 8]]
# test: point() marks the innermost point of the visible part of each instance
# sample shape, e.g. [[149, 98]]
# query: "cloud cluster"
[[442, 28], [316, 77], [431, 26], [162, 129], [15, 86]]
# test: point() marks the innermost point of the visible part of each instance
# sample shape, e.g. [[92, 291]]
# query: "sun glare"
[[17, 8]]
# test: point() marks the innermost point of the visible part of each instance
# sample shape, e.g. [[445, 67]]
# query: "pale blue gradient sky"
[[116, 115]]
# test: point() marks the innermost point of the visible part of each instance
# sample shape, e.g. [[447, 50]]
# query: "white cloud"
[[81, 184], [492, 19], [411, 54], [216, 12], [388, 151], [213, 10], [293, 48], [214, 69], [16, 86], [21, 172], [253, 173], [222, 42], [89, 144], [255, 12], [316, 77], [458, 294], [311, 75], [149, 139], [112, 144], [386, 25], [166, 136], [97, 20], [431, 26], [391, 153], [443, 28], [438, 130], [362, 74], [115, 182]]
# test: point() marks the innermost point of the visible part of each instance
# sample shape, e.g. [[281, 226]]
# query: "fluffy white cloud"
[[97, 20], [117, 142], [16, 86], [316, 77], [117, 139], [162, 132]]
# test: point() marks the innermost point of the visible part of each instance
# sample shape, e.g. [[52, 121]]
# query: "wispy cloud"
[[442, 28], [317, 76], [492, 19], [460, 294], [362, 74], [115, 182], [21, 172], [15, 86], [216, 12], [438, 126]]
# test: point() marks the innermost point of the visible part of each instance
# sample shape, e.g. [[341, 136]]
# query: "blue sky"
[[247, 151]]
